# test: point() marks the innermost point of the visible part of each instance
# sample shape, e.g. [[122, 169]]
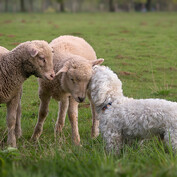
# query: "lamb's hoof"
[[34, 138], [10, 149], [94, 135], [18, 133], [11, 144], [78, 144], [57, 130], [57, 133]]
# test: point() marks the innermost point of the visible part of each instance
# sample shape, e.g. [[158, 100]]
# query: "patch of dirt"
[[173, 69], [11, 35], [167, 69], [125, 31], [143, 44], [112, 34], [1, 34], [77, 34], [56, 26], [23, 21], [126, 64], [126, 73], [121, 39], [7, 21], [91, 23], [143, 23], [152, 55], [50, 22], [15, 43], [119, 57]]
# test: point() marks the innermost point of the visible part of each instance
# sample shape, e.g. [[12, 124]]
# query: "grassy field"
[[140, 48]]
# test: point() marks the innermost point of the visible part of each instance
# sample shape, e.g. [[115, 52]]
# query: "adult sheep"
[[28, 58], [73, 62]]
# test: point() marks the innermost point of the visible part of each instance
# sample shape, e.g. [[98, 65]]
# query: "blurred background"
[[87, 5]]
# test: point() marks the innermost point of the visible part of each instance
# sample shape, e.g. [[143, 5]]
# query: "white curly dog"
[[123, 118]]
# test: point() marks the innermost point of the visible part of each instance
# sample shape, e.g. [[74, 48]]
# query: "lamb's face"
[[77, 73], [42, 59], [77, 79]]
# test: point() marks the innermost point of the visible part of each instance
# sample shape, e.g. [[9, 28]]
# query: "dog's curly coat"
[[128, 118]]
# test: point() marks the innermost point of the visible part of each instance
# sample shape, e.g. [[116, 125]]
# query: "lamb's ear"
[[97, 62], [33, 52], [64, 69]]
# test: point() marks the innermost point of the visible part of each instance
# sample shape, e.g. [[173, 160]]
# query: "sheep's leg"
[[43, 111], [63, 106], [95, 122], [18, 131], [73, 117], [11, 120]]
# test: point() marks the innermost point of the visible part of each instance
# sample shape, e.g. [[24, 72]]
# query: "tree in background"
[[6, 5], [148, 5], [61, 5], [31, 5], [111, 5], [86, 5], [22, 6]]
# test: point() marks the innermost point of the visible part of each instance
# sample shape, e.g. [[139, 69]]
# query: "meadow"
[[141, 48]]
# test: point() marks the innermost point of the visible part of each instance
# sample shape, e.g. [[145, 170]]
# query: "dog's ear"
[[97, 62]]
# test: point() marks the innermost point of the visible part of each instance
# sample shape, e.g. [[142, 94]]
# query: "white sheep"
[[3, 51], [124, 119], [73, 62], [28, 58]]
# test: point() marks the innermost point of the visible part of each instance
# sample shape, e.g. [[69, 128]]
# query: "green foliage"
[[140, 1], [140, 48]]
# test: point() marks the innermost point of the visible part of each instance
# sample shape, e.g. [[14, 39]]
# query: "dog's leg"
[[43, 111], [170, 138], [95, 122], [113, 140], [73, 117], [63, 106]]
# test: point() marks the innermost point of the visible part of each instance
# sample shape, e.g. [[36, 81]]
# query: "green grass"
[[140, 48]]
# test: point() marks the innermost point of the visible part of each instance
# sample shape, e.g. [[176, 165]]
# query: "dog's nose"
[[81, 99]]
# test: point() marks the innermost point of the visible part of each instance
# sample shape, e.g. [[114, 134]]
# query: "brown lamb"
[[28, 58], [73, 62]]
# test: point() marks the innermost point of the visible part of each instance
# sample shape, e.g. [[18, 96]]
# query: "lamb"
[[3, 50], [123, 118], [28, 58], [73, 62]]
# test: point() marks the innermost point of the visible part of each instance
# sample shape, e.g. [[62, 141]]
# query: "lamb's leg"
[[18, 131], [95, 122], [63, 106], [43, 111], [11, 120], [73, 117]]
